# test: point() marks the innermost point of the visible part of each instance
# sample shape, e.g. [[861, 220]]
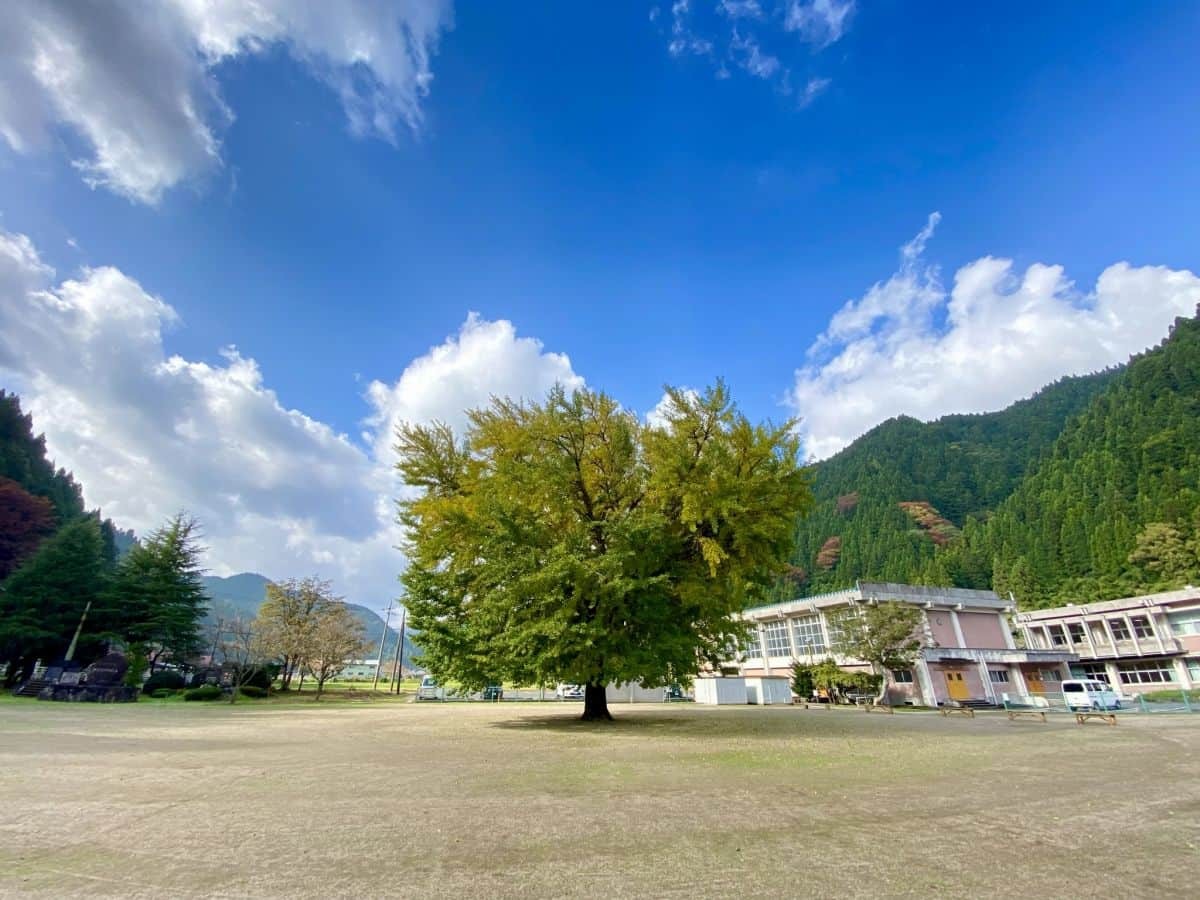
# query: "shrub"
[[204, 692], [166, 680], [802, 680], [162, 694], [259, 678], [252, 691]]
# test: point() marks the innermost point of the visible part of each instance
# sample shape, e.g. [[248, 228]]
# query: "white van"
[[1089, 693], [429, 689]]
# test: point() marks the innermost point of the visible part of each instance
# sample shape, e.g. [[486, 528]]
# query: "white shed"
[[632, 692], [768, 690], [720, 691]]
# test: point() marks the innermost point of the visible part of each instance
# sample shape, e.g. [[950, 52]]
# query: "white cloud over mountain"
[[910, 346], [134, 82], [149, 433]]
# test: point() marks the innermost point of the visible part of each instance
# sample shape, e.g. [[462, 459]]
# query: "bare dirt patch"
[[512, 800]]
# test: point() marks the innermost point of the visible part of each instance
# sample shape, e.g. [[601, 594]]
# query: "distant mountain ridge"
[[242, 594]]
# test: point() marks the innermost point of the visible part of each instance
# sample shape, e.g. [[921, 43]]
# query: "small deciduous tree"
[[828, 677], [242, 651], [25, 521], [566, 541], [884, 635], [286, 621], [337, 637]]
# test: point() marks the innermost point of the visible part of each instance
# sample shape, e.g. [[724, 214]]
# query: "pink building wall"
[[942, 628], [983, 630]]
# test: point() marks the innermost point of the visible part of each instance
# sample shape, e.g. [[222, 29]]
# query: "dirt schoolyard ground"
[[518, 800]]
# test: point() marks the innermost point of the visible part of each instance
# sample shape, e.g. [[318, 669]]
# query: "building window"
[[837, 637], [1078, 636], [1099, 633], [902, 676], [1186, 622], [998, 676], [1146, 672], [1096, 671], [1141, 626], [1119, 631], [1058, 637], [1037, 638], [750, 648], [806, 632], [777, 639], [1194, 669], [1051, 675]]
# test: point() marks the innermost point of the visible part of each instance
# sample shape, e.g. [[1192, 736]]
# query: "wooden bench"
[[957, 710], [1083, 715]]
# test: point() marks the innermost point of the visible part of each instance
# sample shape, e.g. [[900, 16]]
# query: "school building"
[[968, 653], [1136, 644]]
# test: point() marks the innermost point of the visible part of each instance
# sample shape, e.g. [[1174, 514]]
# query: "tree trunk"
[[883, 686], [595, 704]]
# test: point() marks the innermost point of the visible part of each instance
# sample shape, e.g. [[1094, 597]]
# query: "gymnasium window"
[[750, 648], [777, 639], [806, 632]]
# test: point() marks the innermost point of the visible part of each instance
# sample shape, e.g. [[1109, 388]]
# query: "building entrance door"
[[956, 686], [1033, 680]]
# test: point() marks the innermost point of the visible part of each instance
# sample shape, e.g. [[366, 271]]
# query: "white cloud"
[[820, 22], [148, 433], [659, 417], [134, 80], [755, 37], [812, 90], [909, 346]]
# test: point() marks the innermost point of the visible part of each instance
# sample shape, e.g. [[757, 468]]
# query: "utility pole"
[[400, 647], [379, 655]]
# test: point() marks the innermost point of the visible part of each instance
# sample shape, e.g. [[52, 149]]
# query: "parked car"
[[1087, 693], [429, 689], [569, 692], [493, 692]]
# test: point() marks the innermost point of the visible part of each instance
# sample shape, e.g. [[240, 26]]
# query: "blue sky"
[[659, 193]]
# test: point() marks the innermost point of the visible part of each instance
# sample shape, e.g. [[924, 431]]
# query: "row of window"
[[807, 633], [1075, 632], [1158, 672], [1146, 672]]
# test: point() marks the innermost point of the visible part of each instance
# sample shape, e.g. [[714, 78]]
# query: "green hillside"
[[889, 501], [1088, 490], [1129, 466]]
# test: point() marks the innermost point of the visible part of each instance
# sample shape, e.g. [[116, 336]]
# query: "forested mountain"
[[887, 502], [241, 595], [1115, 508], [1088, 490]]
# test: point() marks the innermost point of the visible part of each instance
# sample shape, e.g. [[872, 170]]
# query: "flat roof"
[[885, 590], [1142, 601]]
